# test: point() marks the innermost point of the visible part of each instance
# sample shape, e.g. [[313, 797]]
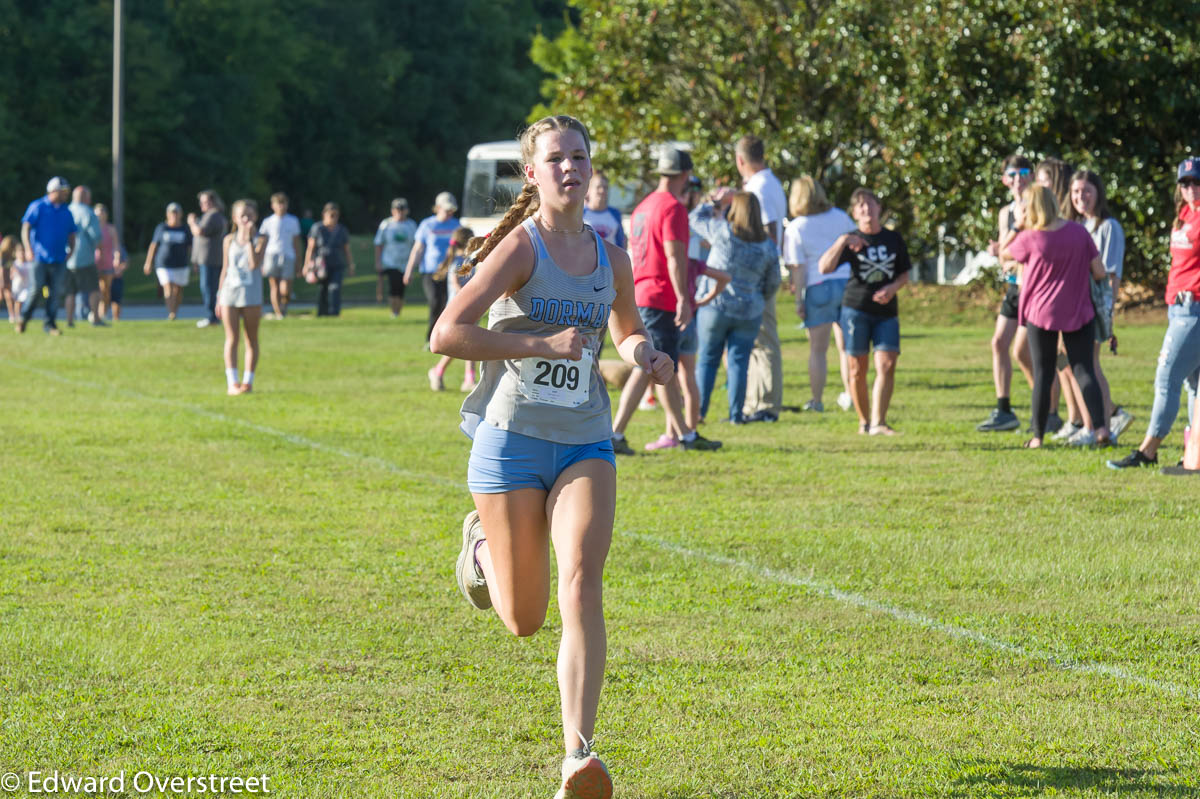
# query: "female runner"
[[542, 467]]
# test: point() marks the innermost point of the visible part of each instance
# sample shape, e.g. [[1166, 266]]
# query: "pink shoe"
[[664, 442]]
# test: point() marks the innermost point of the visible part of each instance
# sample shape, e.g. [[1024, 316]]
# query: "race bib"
[[557, 382]]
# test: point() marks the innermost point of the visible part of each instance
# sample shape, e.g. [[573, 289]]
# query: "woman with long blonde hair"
[[240, 294], [1057, 258], [542, 468]]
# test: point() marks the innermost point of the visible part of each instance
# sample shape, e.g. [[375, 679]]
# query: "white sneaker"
[[1120, 420], [845, 401], [435, 380], [204, 323], [468, 385], [1067, 432], [467, 574], [1082, 438], [584, 776]]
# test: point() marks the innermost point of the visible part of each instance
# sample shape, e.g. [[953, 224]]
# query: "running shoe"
[[435, 380], [1054, 422], [1120, 421], [762, 416], [621, 446], [584, 776], [999, 420], [702, 444], [1066, 432], [648, 403], [1132, 460], [1178, 471], [1082, 438], [467, 573], [814, 405], [845, 401], [662, 442], [468, 385]]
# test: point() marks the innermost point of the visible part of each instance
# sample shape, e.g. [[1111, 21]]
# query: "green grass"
[[194, 584], [142, 289]]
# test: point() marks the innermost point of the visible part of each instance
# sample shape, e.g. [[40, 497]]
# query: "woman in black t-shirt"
[[328, 258], [879, 267]]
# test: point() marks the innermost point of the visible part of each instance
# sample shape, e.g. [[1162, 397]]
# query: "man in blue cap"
[[48, 233]]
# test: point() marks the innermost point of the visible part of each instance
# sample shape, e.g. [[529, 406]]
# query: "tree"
[[920, 102]]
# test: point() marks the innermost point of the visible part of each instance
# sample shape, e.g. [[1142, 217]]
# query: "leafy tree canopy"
[[918, 100]]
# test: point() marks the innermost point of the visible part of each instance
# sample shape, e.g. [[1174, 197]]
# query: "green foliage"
[[920, 101], [355, 101]]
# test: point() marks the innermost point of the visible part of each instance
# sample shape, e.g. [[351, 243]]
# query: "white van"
[[495, 178]]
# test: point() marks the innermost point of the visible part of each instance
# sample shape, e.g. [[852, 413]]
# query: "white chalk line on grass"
[[809, 584], [920, 620], [291, 438]]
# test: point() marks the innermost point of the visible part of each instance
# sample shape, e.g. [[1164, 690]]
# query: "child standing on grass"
[[240, 295], [456, 272], [8, 259], [542, 467]]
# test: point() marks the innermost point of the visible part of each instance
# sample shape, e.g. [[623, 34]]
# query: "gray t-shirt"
[[549, 302], [207, 247]]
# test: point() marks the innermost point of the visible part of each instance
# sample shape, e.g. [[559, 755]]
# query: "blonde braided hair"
[[527, 202]]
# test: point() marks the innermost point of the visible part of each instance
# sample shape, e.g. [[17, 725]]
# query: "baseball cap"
[[446, 200], [674, 162], [400, 202], [1189, 168], [174, 207], [57, 184]]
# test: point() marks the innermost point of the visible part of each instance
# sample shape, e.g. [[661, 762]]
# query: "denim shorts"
[[664, 335], [503, 461], [862, 329], [823, 302], [689, 339]]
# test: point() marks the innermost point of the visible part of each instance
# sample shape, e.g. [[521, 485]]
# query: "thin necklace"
[[553, 229]]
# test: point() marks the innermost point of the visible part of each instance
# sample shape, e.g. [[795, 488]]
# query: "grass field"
[[192, 584]]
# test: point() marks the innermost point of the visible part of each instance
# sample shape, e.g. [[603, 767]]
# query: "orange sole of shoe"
[[590, 782]]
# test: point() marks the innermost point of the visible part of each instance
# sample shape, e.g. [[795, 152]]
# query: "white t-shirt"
[[807, 238], [766, 187], [281, 233], [397, 239]]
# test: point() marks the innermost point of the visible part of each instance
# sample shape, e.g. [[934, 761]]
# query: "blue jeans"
[[210, 281], [329, 297], [48, 275], [716, 332], [1178, 365]]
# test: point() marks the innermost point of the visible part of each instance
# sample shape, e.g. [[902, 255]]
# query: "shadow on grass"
[[1027, 779]]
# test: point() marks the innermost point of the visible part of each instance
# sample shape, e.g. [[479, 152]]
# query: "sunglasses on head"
[[1189, 182], [1022, 172]]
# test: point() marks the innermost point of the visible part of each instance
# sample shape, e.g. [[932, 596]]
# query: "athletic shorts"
[[664, 335], [823, 302], [117, 292], [503, 461], [1012, 298], [166, 277], [689, 339], [85, 279], [862, 329], [279, 266], [395, 279]]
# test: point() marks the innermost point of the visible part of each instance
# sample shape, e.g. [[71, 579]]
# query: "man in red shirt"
[[658, 245]]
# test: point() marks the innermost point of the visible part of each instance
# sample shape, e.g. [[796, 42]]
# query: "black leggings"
[[436, 292], [1043, 348]]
